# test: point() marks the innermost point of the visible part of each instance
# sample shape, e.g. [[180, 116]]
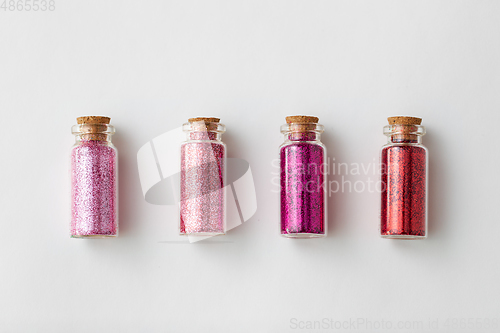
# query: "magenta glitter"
[[302, 179], [94, 202], [202, 204]]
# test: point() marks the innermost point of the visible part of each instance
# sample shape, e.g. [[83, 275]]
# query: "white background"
[[150, 65]]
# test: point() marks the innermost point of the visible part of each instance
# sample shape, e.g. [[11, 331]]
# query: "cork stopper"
[[301, 123], [93, 120], [302, 119], [210, 123], [205, 119], [405, 127], [404, 120], [93, 127]]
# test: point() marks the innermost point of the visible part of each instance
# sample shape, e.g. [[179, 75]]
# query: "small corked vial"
[[404, 164], [94, 179], [203, 178], [302, 177]]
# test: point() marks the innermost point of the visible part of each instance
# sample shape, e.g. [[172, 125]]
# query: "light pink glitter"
[[94, 202], [202, 185]]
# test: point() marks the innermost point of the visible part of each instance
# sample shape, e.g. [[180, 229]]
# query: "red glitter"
[[404, 191]]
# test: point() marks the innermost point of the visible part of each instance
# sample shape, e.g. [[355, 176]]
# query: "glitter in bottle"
[[94, 182], [404, 180], [203, 179], [303, 197]]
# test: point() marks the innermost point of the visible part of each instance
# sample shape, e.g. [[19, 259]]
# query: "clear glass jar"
[[94, 179], [303, 177], [203, 179], [404, 164]]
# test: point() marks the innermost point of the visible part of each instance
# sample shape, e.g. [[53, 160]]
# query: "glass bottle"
[[303, 176], [203, 178], [94, 179], [404, 180]]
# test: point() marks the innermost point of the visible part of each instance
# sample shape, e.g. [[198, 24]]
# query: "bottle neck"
[[93, 137], [204, 131], [302, 132], [399, 138], [303, 136], [93, 133], [404, 134]]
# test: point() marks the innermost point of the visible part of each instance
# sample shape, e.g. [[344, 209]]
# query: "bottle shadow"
[[438, 181], [127, 189], [336, 200]]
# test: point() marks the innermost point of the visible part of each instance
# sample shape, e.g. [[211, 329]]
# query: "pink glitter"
[[202, 185], [94, 202]]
